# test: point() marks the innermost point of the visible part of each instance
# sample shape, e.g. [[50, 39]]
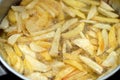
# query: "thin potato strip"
[[101, 44], [92, 2], [73, 32], [55, 44], [102, 26], [17, 50], [92, 12], [112, 38], [107, 13], [106, 20], [84, 44], [78, 13], [74, 3], [75, 64], [68, 23], [45, 36], [97, 68], [104, 5], [32, 4], [4, 24]]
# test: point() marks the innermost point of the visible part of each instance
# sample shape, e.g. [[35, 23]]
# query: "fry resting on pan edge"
[[61, 39]]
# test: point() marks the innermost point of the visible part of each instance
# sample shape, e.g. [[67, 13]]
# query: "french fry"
[[91, 2], [102, 26], [106, 20], [92, 34], [88, 21], [64, 47], [92, 12], [118, 36], [11, 16], [37, 65], [4, 24], [68, 23], [71, 56], [45, 36], [46, 56], [64, 72], [26, 50], [36, 48], [75, 64], [105, 38], [32, 4], [74, 32], [104, 5], [25, 2], [55, 44], [93, 65], [17, 50], [110, 60], [107, 13], [101, 43], [12, 39], [43, 44], [78, 13], [112, 38], [74, 4], [84, 44]]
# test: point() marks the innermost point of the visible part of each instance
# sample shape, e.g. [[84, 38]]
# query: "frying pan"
[[5, 5]]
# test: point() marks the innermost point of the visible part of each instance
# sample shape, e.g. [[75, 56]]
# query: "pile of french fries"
[[61, 39]]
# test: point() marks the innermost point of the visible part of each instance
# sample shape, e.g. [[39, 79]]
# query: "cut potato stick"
[[93, 65], [36, 48], [37, 65], [110, 60], [85, 44], [12, 39], [32, 4], [71, 56], [118, 36], [101, 44], [55, 44], [107, 13], [64, 47], [78, 13], [43, 44], [91, 2], [88, 21], [92, 34], [53, 27], [75, 64], [105, 19], [102, 26], [74, 32], [17, 50], [45, 36], [92, 12], [68, 23], [112, 38], [105, 38], [26, 50], [46, 56], [82, 35], [64, 72], [4, 24], [104, 5], [74, 3], [67, 10]]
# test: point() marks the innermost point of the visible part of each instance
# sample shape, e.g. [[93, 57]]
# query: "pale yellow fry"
[[75, 64], [43, 44], [74, 32], [112, 38], [45, 36], [17, 50], [104, 5], [71, 56], [93, 65], [102, 26], [67, 10], [101, 44], [36, 48], [85, 44], [105, 19], [53, 27], [92, 2], [37, 65], [74, 3], [105, 38], [78, 13], [118, 36], [46, 56], [13, 38], [88, 21], [4, 24], [92, 34], [64, 47], [55, 44], [69, 44], [107, 13], [110, 60], [68, 24], [27, 67], [32, 4], [64, 72], [92, 12], [19, 67]]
